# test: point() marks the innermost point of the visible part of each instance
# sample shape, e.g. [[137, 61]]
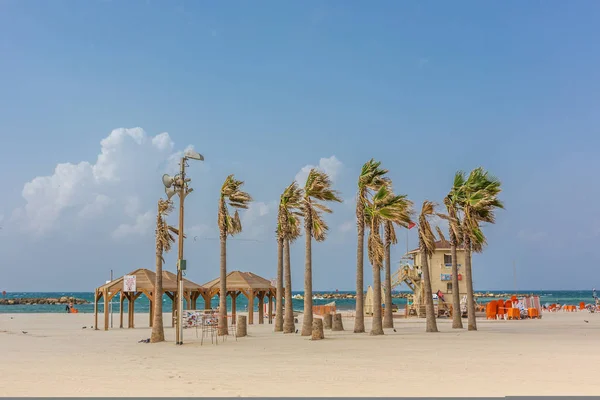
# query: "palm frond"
[[426, 237]]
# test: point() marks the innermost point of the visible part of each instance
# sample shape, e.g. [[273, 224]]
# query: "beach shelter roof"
[[145, 279], [237, 280]]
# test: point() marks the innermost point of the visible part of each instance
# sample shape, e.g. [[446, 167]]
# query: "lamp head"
[[194, 155]]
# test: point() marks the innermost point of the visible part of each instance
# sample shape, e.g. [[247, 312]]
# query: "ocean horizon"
[[142, 303]]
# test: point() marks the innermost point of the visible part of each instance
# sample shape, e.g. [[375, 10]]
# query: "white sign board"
[[129, 283]]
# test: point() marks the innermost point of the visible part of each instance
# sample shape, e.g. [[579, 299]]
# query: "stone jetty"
[[41, 300]]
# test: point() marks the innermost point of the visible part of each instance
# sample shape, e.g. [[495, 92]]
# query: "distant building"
[[440, 271]]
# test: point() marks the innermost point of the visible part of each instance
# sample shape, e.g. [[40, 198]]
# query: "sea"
[[142, 305]]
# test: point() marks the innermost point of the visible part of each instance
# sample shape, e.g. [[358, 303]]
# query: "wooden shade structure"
[[251, 286], [145, 283]]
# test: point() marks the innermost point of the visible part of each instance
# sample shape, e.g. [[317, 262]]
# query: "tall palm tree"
[[279, 285], [385, 207], [426, 248], [164, 239], [479, 202], [452, 202], [316, 190], [290, 229], [371, 178], [232, 195]]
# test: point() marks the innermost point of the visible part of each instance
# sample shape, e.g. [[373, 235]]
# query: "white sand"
[[558, 355]]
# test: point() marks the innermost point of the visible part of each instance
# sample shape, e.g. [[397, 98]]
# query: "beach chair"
[[491, 310], [501, 309]]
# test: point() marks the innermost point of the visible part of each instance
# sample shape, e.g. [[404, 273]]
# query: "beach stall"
[[142, 282], [250, 285]]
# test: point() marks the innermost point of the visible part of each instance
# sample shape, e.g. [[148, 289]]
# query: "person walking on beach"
[[68, 308]]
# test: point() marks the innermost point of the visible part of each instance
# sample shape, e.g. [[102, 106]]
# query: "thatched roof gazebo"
[[251, 286], [145, 283]]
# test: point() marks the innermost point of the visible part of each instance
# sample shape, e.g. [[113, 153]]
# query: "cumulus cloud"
[[331, 166], [255, 221], [128, 166], [143, 225]]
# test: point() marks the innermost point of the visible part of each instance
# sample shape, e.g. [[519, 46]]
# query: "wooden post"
[[130, 311], [251, 307], [188, 301], [194, 300], [327, 318], [241, 329], [337, 323], [207, 300], [106, 311], [234, 296], [173, 309], [133, 299], [96, 310], [261, 308], [317, 329], [270, 299], [121, 299], [151, 309]]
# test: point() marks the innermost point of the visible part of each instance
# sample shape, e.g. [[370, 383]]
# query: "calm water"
[[142, 305]]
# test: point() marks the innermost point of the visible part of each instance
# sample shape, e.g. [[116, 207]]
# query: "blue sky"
[[265, 88]]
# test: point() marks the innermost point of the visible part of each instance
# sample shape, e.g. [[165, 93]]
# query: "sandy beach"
[[557, 355]]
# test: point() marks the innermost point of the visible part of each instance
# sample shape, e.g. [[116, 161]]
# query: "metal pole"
[[111, 303], [179, 333]]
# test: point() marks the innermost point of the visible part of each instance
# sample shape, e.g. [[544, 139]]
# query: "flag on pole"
[[411, 225]]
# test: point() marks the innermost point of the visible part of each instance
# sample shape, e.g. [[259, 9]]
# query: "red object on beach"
[[411, 225], [460, 277]]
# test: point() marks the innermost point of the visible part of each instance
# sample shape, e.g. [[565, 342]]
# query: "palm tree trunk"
[[471, 323], [388, 318], [288, 319], [223, 280], [308, 315], [376, 326], [431, 324], [279, 301], [456, 314], [158, 331], [359, 319]]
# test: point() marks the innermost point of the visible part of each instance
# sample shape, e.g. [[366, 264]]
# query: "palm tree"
[[371, 178], [289, 229], [452, 202], [164, 239], [427, 247], [232, 195], [479, 201], [279, 295], [385, 207], [316, 190]]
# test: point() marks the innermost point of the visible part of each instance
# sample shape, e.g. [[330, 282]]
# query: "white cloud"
[[96, 208], [128, 167], [331, 166], [163, 141], [143, 225], [347, 226], [132, 205], [255, 220]]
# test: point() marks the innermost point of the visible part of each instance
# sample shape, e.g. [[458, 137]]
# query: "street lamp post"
[[179, 185]]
